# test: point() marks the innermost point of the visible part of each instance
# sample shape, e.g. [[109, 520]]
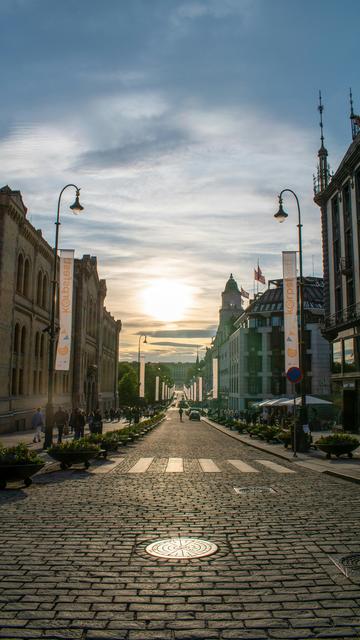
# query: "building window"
[[44, 297], [349, 355], [39, 288], [16, 339], [336, 357], [26, 285]]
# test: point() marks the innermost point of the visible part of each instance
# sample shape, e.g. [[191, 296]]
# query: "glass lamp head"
[[77, 207], [281, 215]]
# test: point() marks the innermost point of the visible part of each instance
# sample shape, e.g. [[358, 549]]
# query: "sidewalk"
[[12, 439], [344, 468]]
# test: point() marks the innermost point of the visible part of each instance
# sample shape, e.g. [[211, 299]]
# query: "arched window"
[[42, 346], [39, 288], [20, 273], [23, 340], [37, 344], [26, 286], [45, 292], [16, 339]]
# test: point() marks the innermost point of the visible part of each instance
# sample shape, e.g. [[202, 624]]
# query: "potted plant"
[[338, 444], [18, 463], [74, 452]]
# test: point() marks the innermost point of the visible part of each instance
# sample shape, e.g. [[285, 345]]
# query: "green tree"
[[128, 392]]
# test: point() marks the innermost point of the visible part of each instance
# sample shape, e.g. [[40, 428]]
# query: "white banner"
[[62, 362], [291, 334], [163, 391], [142, 377], [200, 389], [215, 367], [157, 385], [195, 394]]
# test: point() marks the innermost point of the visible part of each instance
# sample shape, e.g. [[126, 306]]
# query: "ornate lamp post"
[[281, 216], [76, 208]]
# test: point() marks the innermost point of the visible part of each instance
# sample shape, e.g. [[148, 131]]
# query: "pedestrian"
[[60, 420], [72, 420], [37, 422], [79, 424], [97, 422], [181, 414]]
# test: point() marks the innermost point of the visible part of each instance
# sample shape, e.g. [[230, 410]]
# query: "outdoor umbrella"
[[308, 400]]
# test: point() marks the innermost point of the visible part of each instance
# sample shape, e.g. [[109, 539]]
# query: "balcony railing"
[[343, 317]]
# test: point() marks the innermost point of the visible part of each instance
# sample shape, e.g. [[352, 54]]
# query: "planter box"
[[68, 458], [15, 472], [337, 449]]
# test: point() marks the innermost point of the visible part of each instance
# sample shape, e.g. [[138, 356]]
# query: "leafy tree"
[[128, 392]]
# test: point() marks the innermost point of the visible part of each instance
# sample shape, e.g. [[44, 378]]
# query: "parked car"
[[194, 415]]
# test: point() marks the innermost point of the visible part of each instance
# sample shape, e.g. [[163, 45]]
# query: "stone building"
[[256, 347], [26, 261], [338, 196]]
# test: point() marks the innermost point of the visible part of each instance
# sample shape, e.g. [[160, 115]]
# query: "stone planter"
[[338, 449], [68, 458], [16, 472]]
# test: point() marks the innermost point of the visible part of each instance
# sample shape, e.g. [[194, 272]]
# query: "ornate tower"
[[231, 300], [322, 179]]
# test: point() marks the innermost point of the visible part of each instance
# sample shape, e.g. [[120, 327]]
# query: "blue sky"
[[181, 120]]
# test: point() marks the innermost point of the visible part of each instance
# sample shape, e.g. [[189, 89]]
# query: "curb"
[[255, 445], [342, 476]]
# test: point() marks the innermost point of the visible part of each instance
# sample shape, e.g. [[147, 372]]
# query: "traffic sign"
[[294, 374]]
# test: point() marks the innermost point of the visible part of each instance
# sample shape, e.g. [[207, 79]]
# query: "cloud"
[[183, 333], [174, 344]]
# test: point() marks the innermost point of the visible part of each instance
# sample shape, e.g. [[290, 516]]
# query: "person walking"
[[181, 414], [79, 424], [97, 422], [60, 420], [37, 422]]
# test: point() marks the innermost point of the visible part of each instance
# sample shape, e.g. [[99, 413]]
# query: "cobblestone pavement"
[[74, 563]]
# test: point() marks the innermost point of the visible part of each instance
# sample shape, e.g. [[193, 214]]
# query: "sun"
[[167, 300]]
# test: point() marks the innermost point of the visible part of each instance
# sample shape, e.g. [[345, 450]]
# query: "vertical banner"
[[163, 391], [157, 388], [195, 391], [62, 362], [200, 389], [215, 367], [142, 377], [291, 334]]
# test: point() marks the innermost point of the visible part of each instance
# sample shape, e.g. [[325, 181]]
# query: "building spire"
[[355, 120], [322, 179]]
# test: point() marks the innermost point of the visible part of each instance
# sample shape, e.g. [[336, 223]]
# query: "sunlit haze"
[[181, 121]]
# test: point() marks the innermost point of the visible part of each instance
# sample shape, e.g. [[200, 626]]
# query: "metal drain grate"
[[349, 565], [253, 490], [181, 548]]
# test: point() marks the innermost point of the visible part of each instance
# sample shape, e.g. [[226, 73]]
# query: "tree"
[[128, 392]]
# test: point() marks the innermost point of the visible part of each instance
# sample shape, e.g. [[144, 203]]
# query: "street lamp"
[[76, 208], [139, 382], [281, 216]]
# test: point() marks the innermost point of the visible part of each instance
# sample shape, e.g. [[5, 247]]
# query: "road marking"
[[275, 467], [175, 465], [141, 466], [242, 466], [208, 465], [106, 467]]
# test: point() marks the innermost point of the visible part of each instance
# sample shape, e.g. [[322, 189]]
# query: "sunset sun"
[[167, 300]]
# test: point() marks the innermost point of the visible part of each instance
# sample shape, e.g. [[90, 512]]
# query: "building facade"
[[338, 197], [256, 347], [26, 262]]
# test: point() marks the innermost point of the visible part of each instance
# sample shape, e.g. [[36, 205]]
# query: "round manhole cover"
[[181, 548], [352, 561]]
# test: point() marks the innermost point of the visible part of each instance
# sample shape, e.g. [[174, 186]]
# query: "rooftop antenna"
[[355, 120]]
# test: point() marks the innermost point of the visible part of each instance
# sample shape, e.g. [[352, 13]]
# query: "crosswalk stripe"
[[274, 467], [208, 466], [242, 466], [141, 466], [106, 467], [175, 465]]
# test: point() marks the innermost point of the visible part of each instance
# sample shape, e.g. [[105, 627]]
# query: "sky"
[[181, 121]]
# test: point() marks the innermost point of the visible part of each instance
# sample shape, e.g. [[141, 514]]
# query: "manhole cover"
[[181, 548], [349, 565], [251, 490]]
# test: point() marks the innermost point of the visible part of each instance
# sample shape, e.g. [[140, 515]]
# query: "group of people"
[[65, 423]]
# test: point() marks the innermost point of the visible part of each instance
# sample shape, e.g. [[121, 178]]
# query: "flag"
[[244, 293], [258, 275], [356, 119]]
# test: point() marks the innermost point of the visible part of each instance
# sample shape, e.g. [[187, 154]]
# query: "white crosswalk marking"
[[242, 466], [141, 466], [106, 467], [175, 465], [208, 466], [274, 467]]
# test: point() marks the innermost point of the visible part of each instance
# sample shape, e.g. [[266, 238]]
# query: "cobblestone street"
[[74, 563]]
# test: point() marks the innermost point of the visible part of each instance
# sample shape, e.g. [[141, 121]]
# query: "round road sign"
[[294, 374]]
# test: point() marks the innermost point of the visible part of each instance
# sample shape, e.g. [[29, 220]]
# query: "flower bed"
[[338, 444], [74, 452], [18, 463]]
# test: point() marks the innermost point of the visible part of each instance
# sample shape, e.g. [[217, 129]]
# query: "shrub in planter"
[[269, 433], [18, 463], [74, 452], [338, 444], [284, 435]]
